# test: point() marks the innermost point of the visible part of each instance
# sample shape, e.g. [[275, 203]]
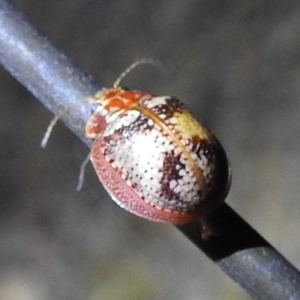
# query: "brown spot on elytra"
[[206, 148], [141, 124], [175, 105], [111, 141], [170, 170], [171, 107]]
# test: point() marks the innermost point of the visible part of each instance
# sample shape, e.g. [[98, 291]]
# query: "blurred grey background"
[[235, 63]]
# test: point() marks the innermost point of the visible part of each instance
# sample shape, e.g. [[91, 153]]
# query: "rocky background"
[[235, 63]]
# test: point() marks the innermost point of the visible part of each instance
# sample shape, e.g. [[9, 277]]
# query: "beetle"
[[153, 156]]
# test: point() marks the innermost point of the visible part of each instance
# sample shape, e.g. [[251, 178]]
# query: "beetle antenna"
[[58, 116], [143, 61], [93, 100], [81, 174]]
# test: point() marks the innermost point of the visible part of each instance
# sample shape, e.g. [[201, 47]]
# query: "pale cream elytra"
[[154, 158]]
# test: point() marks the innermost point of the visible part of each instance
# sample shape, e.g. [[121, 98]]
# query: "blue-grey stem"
[[54, 80], [46, 72]]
